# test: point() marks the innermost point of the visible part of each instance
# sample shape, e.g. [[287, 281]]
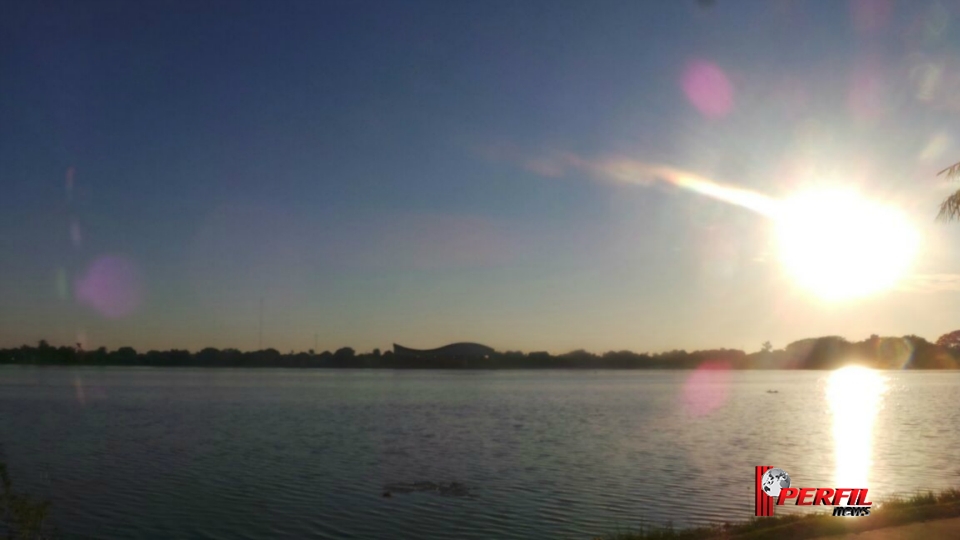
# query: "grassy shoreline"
[[892, 512]]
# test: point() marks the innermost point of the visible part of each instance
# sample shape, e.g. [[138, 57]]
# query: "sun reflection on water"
[[855, 395]]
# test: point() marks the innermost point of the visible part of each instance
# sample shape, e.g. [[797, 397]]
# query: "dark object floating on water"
[[451, 489], [773, 391], [387, 494]]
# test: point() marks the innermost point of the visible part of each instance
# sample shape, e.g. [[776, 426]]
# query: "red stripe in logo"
[[763, 502]]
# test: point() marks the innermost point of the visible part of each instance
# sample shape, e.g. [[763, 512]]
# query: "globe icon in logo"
[[774, 480]]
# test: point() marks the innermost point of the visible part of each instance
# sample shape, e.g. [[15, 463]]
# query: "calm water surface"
[[224, 453]]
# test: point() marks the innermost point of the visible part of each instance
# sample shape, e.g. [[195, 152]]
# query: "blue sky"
[[383, 172]]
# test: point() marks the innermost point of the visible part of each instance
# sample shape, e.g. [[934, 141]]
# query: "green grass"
[[895, 511], [22, 517]]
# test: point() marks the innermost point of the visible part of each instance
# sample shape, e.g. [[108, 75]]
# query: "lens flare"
[[870, 16], [708, 89], [705, 390], [866, 94], [76, 237], [833, 242], [61, 281], [111, 286], [637, 172], [68, 181]]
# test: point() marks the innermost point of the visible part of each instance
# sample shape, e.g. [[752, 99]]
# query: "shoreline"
[[451, 368], [936, 511], [817, 353]]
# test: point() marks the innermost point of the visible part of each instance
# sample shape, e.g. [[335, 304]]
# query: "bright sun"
[[840, 246]]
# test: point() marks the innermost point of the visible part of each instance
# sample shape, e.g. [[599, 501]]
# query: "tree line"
[[829, 352]]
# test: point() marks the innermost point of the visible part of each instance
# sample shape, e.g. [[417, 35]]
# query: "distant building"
[[454, 350]]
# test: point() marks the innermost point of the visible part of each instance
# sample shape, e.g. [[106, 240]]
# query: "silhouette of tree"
[[950, 207], [950, 341], [209, 356], [126, 355], [344, 353], [818, 353], [928, 355], [829, 352]]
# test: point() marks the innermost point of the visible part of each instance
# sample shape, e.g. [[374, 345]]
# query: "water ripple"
[[294, 454]]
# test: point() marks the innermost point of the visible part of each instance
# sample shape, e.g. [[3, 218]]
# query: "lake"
[[261, 453]]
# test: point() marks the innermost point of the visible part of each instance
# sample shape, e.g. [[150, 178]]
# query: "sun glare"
[[860, 389], [838, 245]]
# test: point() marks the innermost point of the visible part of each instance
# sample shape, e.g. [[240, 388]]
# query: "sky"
[[428, 172]]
